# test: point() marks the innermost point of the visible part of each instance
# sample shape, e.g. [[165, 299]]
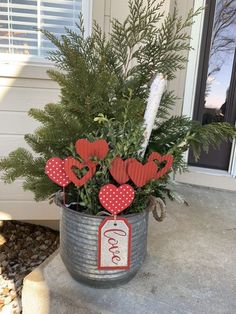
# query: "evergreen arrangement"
[[105, 82]]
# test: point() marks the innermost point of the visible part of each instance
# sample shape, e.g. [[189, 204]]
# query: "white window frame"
[[6, 58]]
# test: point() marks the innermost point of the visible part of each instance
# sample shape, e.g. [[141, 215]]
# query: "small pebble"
[[10, 285], [5, 291], [7, 299], [43, 247], [7, 309], [13, 294], [2, 257], [4, 263]]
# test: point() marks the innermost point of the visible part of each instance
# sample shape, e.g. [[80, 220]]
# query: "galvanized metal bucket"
[[79, 248]]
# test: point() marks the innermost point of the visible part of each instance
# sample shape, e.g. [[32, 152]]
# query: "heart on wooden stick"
[[141, 174], [116, 199], [71, 163], [119, 169], [55, 170], [88, 150], [168, 159]]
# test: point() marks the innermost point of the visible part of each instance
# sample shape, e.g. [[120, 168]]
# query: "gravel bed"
[[23, 247]]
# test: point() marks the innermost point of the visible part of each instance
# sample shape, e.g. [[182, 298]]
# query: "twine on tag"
[[58, 198], [155, 203], [103, 213]]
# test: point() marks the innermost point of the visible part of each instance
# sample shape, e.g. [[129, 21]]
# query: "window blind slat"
[[59, 10], [4, 17], [48, 9], [20, 39], [66, 2], [58, 24], [12, 23], [21, 46], [18, 6], [17, 31], [13, 14]]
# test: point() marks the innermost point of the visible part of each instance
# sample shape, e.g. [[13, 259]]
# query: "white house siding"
[[178, 84], [105, 10], [22, 86]]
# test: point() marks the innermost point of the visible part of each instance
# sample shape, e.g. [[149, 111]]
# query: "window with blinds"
[[20, 19]]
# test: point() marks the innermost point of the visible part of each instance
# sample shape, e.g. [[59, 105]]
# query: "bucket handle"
[[155, 203]]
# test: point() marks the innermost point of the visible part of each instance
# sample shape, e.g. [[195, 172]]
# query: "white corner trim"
[[193, 61], [232, 163], [87, 6]]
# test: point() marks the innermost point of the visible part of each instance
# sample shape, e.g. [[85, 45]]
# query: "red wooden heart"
[[119, 169], [55, 170], [86, 150], [70, 162], [114, 199], [141, 174], [160, 159]]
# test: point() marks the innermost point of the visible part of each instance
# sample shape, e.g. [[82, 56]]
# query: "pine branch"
[[167, 103], [177, 134], [163, 52], [210, 135], [135, 30], [21, 163]]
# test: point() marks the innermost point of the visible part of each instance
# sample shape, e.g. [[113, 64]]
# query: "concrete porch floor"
[[190, 268]]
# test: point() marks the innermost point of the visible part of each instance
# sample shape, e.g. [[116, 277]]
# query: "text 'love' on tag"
[[114, 244]]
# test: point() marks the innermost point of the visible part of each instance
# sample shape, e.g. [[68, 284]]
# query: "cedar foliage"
[[108, 78]]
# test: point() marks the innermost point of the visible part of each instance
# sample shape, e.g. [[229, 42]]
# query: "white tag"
[[114, 244]]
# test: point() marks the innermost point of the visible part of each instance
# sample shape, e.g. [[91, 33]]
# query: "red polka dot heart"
[[55, 170], [116, 199]]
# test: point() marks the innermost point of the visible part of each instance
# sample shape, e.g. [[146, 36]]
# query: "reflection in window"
[[223, 43], [20, 19]]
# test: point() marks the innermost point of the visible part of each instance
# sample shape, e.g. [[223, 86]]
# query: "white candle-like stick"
[[156, 91]]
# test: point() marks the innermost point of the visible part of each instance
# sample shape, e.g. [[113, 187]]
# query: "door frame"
[[195, 60]]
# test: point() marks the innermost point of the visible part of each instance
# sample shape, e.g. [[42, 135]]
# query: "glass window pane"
[[19, 20], [223, 45]]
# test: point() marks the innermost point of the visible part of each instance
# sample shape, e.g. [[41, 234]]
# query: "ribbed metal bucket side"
[[79, 247]]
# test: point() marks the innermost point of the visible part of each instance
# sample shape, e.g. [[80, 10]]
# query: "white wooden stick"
[[156, 91]]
